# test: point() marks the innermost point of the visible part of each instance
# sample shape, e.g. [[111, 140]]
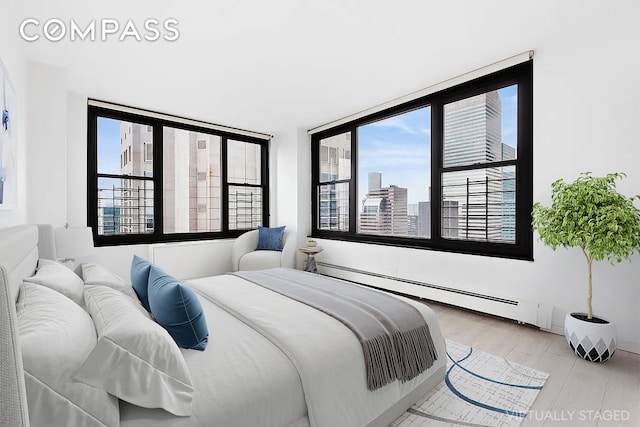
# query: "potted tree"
[[589, 213]]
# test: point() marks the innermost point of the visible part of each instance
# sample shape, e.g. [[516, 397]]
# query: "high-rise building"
[[508, 152], [473, 135], [424, 219], [135, 195], [449, 219], [374, 181], [335, 164], [413, 219], [508, 196], [384, 209], [191, 181], [472, 130]]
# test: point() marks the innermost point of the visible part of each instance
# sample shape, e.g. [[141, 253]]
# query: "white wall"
[[76, 208], [304, 185], [290, 182], [14, 61], [47, 144]]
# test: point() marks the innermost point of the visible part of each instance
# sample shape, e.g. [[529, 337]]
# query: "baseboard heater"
[[521, 311]]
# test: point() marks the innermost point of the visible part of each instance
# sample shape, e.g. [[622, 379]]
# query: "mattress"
[[241, 379], [272, 361]]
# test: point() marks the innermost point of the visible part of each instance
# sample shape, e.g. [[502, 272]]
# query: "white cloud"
[[402, 124], [382, 154]]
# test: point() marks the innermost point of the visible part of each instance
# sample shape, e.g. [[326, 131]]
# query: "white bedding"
[[292, 361], [234, 351]]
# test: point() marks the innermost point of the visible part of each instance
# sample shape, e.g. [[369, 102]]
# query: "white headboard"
[[18, 254], [18, 259]]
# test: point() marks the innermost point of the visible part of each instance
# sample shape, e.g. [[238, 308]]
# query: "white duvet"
[[272, 361]]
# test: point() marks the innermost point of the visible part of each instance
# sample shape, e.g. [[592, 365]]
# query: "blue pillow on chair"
[[270, 239], [140, 278], [175, 306]]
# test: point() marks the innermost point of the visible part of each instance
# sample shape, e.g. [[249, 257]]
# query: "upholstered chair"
[[244, 255]]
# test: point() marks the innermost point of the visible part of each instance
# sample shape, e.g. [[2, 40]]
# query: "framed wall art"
[[8, 141]]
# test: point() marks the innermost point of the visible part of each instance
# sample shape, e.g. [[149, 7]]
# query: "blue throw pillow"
[[175, 306], [270, 239], [140, 279]]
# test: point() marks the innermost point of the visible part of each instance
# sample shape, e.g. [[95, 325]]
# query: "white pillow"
[[56, 276], [95, 274], [56, 336], [135, 359]]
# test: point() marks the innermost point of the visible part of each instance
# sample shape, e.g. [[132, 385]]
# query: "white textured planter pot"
[[595, 342]]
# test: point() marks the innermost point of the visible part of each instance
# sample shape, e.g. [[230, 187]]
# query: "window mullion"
[[524, 167], [264, 181], [337, 181], [353, 183], [224, 185], [92, 172], [476, 166], [437, 144], [158, 221], [315, 167]]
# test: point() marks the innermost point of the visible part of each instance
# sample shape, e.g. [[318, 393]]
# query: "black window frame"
[[520, 74], [157, 121]]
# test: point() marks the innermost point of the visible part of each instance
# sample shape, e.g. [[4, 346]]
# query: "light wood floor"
[[577, 393]]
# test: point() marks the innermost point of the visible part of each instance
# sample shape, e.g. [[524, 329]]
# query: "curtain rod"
[[480, 72], [177, 119]]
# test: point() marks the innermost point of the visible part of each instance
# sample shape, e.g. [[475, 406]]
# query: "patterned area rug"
[[479, 390]]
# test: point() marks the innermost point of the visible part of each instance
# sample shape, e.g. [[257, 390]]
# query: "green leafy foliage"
[[590, 213]]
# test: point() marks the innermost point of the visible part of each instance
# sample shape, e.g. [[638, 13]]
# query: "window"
[[450, 171], [334, 177], [394, 163], [151, 179], [245, 193], [479, 167], [191, 181]]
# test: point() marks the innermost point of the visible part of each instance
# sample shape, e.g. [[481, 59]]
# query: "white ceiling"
[[279, 65]]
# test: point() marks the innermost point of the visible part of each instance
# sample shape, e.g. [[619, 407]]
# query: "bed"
[[270, 360]]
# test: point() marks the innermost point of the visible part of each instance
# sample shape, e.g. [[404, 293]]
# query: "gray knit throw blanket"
[[395, 338]]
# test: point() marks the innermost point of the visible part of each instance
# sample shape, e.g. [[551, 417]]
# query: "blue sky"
[[399, 147], [509, 98], [108, 145], [108, 154]]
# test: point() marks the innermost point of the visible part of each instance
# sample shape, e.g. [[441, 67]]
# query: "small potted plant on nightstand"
[[311, 243], [590, 213]]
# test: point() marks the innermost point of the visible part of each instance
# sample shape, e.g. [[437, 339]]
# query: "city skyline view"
[[477, 203], [400, 148]]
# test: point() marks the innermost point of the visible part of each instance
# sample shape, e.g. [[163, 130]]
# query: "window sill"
[[499, 250]]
